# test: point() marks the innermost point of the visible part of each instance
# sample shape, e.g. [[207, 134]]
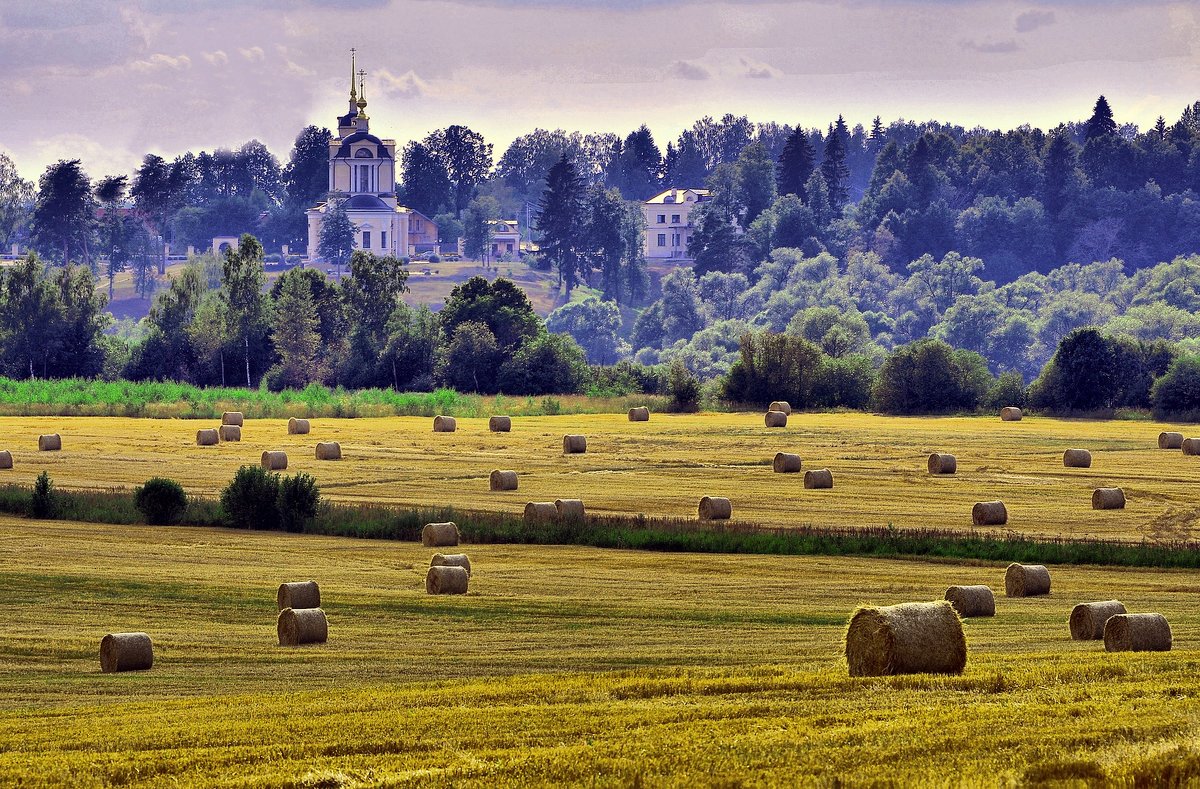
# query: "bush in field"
[[683, 388], [1091, 372], [43, 504], [1176, 396], [297, 502], [251, 499], [930, 377], [161, 501]]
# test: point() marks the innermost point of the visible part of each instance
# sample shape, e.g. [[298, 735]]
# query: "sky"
[[108, 81]]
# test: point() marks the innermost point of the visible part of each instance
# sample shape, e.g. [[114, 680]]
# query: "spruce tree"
[[560, 221], [796, 164], [1101, 124], [833, 165]]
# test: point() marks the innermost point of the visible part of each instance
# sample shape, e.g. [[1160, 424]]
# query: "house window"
[[662, 239], [366, 239], [674, 219], [509, 247], [364, 179], [662, 219], [383, 239]]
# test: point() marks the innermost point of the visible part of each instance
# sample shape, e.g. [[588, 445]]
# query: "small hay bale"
[[775, 419], [942, 463], [5, 459], [780, 405], [1190, 446], [274, 460], [437, 535], [818, 479], [569, 509], [233, 418], [910, 638], [574, 445], [786, 463], [1026, 580], [715, 508], [50, 443], [1077, 458], [296, 626], [540, 512], [444, 424], [1108, 499], [329, 450], [503, 480], [298, 427], [298, 594], [231, 433], [208, 437], [1010, 414], [1137, 633], [500, 424], [639, 414], [989, 513], [126, 652], [446, 580], [1087, 619], [1170, 440], [451, 560], [972, 600]]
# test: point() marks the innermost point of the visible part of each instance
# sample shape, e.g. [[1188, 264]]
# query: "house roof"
[[343, 151], [677, 195], [362, 202]]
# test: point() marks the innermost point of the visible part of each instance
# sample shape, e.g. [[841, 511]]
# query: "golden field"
[[663, 467]]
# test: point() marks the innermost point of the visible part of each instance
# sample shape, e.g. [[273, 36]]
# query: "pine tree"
[[796, 164], [560, 221], [338, 235], [1101, 124], [877, 135], [1160, 127], [296, 334], [833, 164]]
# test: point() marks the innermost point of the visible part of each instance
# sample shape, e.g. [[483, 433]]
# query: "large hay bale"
[[780, 405], [639, 414], [818, 479], [1108, 499], [910, 638], [574, 445], [1077, 458], [1010, 414], [989, 513], [1137, 633], [1026, 580], [775, 419], [329, 450], [50, 443], [942, 463], [209, 437], [500, 424], [444, 424], [231, 433], [569, 509], [232, 418], [5, 459], [540, 512], [786, 463], [298, 427], [298, 594], [451, 560], [972, 600], [437, 535], [1170, 440], [1190, 446], [1087, 619], [503, 480], [274, 460], [715, 508], [126, 652], [296, 626], [446, 580]]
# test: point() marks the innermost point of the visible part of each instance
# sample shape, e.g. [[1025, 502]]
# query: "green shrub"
[[1176, 396], [44, 502], [299, 498], [251, 499], [1009, 389], [161, 501], [683, 388], [930, 377]]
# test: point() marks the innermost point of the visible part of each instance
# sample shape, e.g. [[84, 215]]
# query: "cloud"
[[1032, 20], [253, 54], [406, 86], [682, 69], [756, 70], [992, 47], [217, 57], [160, 61]]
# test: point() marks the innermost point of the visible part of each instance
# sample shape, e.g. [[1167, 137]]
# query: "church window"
[[364, 178], [383, 239], [366, 239]]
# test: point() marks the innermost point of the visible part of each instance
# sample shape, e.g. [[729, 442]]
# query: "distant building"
[[422, 233], [506, 239], [668, 222]]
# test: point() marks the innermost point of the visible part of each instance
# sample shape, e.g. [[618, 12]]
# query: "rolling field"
[[663, 467]]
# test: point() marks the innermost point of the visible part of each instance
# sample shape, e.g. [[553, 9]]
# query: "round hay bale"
[[574, 445], [1077, 458], [274, 460], [1170, 440], [786, 463], [444, 424], [639, 414], [232, 418], [451, 560], [1137, 633], [329, 450], [500, 424], [208, 437], [50, 443], [780, 405], [298, 594], [437, 535], [1087, 619], [818, 479], [569, 509], [540, 511], [942, 463], [910, 638], [1108, 499], [1010, 414], [296, 626], [989, 513], [5, 459], [1026, 580], [1190, 446], [231, 433], [298, 427], [972, 600], [126, 652], [715, 508], [446, 580], [503, 480], [775, 419]]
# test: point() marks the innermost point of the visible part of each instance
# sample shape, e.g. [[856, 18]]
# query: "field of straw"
[[603, 667], [663, 467]]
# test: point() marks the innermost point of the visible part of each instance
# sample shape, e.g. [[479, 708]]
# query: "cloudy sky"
[[109, 80]]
